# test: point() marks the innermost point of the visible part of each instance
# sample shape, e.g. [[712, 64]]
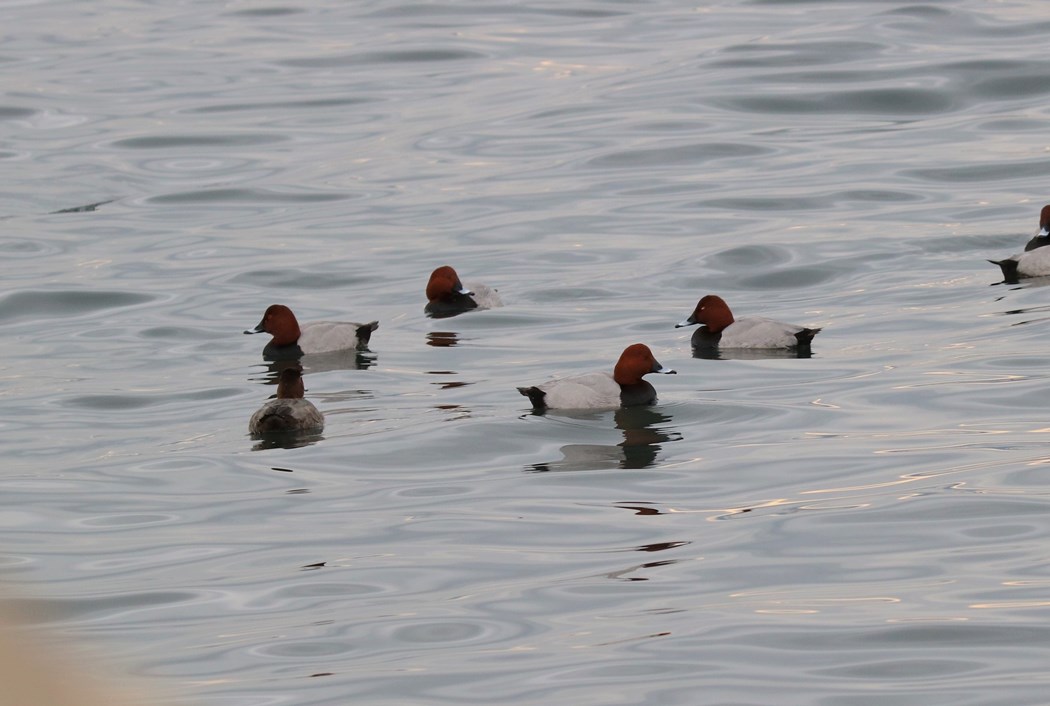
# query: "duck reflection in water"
[[716, 353], [321, 363], [644, 430], [442, 339]]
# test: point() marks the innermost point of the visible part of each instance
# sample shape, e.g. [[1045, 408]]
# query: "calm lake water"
[[867, 527]]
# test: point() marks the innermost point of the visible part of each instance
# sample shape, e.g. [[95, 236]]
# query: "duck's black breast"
[[703, 338], [1037, 242], [456, 304], [638, 394], [272, 352]]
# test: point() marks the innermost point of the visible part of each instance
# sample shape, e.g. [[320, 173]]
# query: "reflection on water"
[[338, 360], [273, 370], [82, 209], [625, 574], [442, 339], [644, 431], [716, 353], [286, 440], [451, 385], [318, 363], [1028, 310]]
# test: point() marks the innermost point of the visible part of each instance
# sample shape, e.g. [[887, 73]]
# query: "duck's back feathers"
[[756, 332], [284, 415], [1035, 263], [485, 297], [587, 391], [328, 336]]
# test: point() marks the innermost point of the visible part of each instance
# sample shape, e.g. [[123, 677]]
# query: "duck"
[[446, 295], [721, 330], [624, 387], [290, 340], [1034, 261], [288, 412]]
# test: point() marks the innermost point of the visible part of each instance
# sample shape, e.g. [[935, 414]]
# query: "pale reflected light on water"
[[866, 525]]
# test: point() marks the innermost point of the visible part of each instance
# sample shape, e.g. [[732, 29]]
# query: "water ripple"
[[35, 305]]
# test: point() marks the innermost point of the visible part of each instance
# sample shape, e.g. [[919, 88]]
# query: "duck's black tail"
[[535, 395], [1009, 268], [805, 336], [364, 332]]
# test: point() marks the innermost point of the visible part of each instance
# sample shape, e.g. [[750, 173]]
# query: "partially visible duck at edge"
[[446, 295], [290, 340], [1043, 236], [289, 412], [719, 329], [623, 388], [1034, 261]]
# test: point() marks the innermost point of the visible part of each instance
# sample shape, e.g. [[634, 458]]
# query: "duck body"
[[292, 340], [288, 412], [285, 415], [755, 332], [448, 296], [327, 337], [624, 387], [720, 329], [1031, 263]]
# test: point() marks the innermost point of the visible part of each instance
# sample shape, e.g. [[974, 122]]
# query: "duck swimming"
[[720, 329], [290, 340], [289, 412], [446, 295], [624, 387]]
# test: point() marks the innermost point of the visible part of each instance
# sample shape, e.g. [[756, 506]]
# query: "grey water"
[[868, 526]]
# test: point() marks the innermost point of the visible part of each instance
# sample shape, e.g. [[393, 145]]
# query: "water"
[[863, 527]]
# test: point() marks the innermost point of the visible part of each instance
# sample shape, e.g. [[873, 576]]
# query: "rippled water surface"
[[864, 527]]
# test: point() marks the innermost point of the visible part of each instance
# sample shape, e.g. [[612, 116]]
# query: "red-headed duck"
[[721, 330], [1034, 261], [446, 295], [290, 340], [289, 412], [623, 388]]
